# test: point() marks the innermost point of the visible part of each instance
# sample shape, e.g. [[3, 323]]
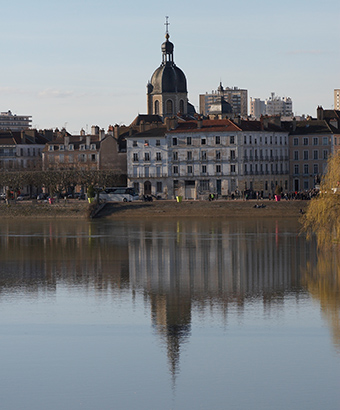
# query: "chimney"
[[101, 134], [167, 123], [66, 140], [319, 113], [23, 137], [88, 141], [294, 124], [82, 132], [199, 122], [116, 131], [142, 126]]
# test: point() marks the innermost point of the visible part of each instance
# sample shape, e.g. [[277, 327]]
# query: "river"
[[167, 314]]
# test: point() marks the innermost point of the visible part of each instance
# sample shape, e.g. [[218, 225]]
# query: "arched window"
[[156, 107], [181, 107], [169, 107]]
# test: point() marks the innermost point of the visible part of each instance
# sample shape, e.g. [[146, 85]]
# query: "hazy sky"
[[82, 63]]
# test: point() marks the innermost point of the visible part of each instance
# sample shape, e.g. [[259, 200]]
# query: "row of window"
[[306, 168], [34, 152], [218, 169], [315, 140], [217, 140], [315, 155], [70, 158], [70, 147]]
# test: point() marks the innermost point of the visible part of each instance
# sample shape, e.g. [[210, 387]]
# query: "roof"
[[147, 118], [312, 127], [151, 133]]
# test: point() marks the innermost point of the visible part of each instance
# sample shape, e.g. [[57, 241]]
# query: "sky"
[[79, 63]]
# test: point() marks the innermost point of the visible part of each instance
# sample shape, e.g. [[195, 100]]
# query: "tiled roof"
[[153, 132], [147, 119], [207, 126], [311, 127]]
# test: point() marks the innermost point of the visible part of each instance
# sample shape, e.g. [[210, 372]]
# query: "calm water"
[[167, 315]]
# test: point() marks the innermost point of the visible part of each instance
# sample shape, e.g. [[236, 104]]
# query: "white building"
[[195, 158], [274, 105], [13, 122]]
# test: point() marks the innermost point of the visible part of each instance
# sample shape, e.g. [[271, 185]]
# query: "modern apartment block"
[[13, 122], [236, 97], [337, 99], [274, 105]]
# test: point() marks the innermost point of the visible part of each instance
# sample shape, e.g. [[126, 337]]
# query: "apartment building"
[[13, 122]]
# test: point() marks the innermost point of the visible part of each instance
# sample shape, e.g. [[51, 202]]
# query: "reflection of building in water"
[[196, 263], [323, 283], [62, 253]]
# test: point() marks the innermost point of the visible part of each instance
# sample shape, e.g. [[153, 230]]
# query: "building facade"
[[272, 106], [193, 159], [236, 97], [13, 122], [337, 99]]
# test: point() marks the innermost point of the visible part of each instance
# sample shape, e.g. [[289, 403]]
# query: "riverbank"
[[204, 209], [159, 209]]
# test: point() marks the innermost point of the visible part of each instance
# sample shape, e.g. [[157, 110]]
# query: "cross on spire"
[[167, 24]]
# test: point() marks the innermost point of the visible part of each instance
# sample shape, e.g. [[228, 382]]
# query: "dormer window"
[[51, 147], [93, 146], [82, 147], [71, 147], [61, 147]]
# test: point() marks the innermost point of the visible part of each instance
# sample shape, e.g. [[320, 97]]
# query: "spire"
[[167, 46]]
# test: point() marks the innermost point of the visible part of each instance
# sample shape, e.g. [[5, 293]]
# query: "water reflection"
[[178, 266], [323, 283]]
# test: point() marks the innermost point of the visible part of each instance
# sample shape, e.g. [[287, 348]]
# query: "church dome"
[[168, 79]]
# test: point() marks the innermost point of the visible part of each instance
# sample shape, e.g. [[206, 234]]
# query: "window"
[[51, 147], [305, 155], [169, 107], [315, 169], [232, 168], [244, 139], [61, 147], [204, 185], [296, 169], [296, 155], [174, 141], [135, 169], [82, 147], [158, 172], [146, 156], [296, 141], [158, 143], [146, 143], [315, 140], [134, 144], [305, 169], [82, 157], [189, 169], [204, 155], [218, 155], [188, 140], [204, 169], [218, 169], [232, 140], [71, 147], [136, 186], [158, 156], [305, 141], [146, 172], [175, 169], [93, 157], [324, 140], [159, 187], [156, 107], [135, 157], [325, 154], [232, 154], [93, 146], [249, 139], [305, 185], [175, 156], [181, 106], [203, 141], [265, 140], [217, 140], [315, 154], [189, 155]]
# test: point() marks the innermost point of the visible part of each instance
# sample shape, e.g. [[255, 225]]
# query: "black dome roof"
[[168, 79]]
